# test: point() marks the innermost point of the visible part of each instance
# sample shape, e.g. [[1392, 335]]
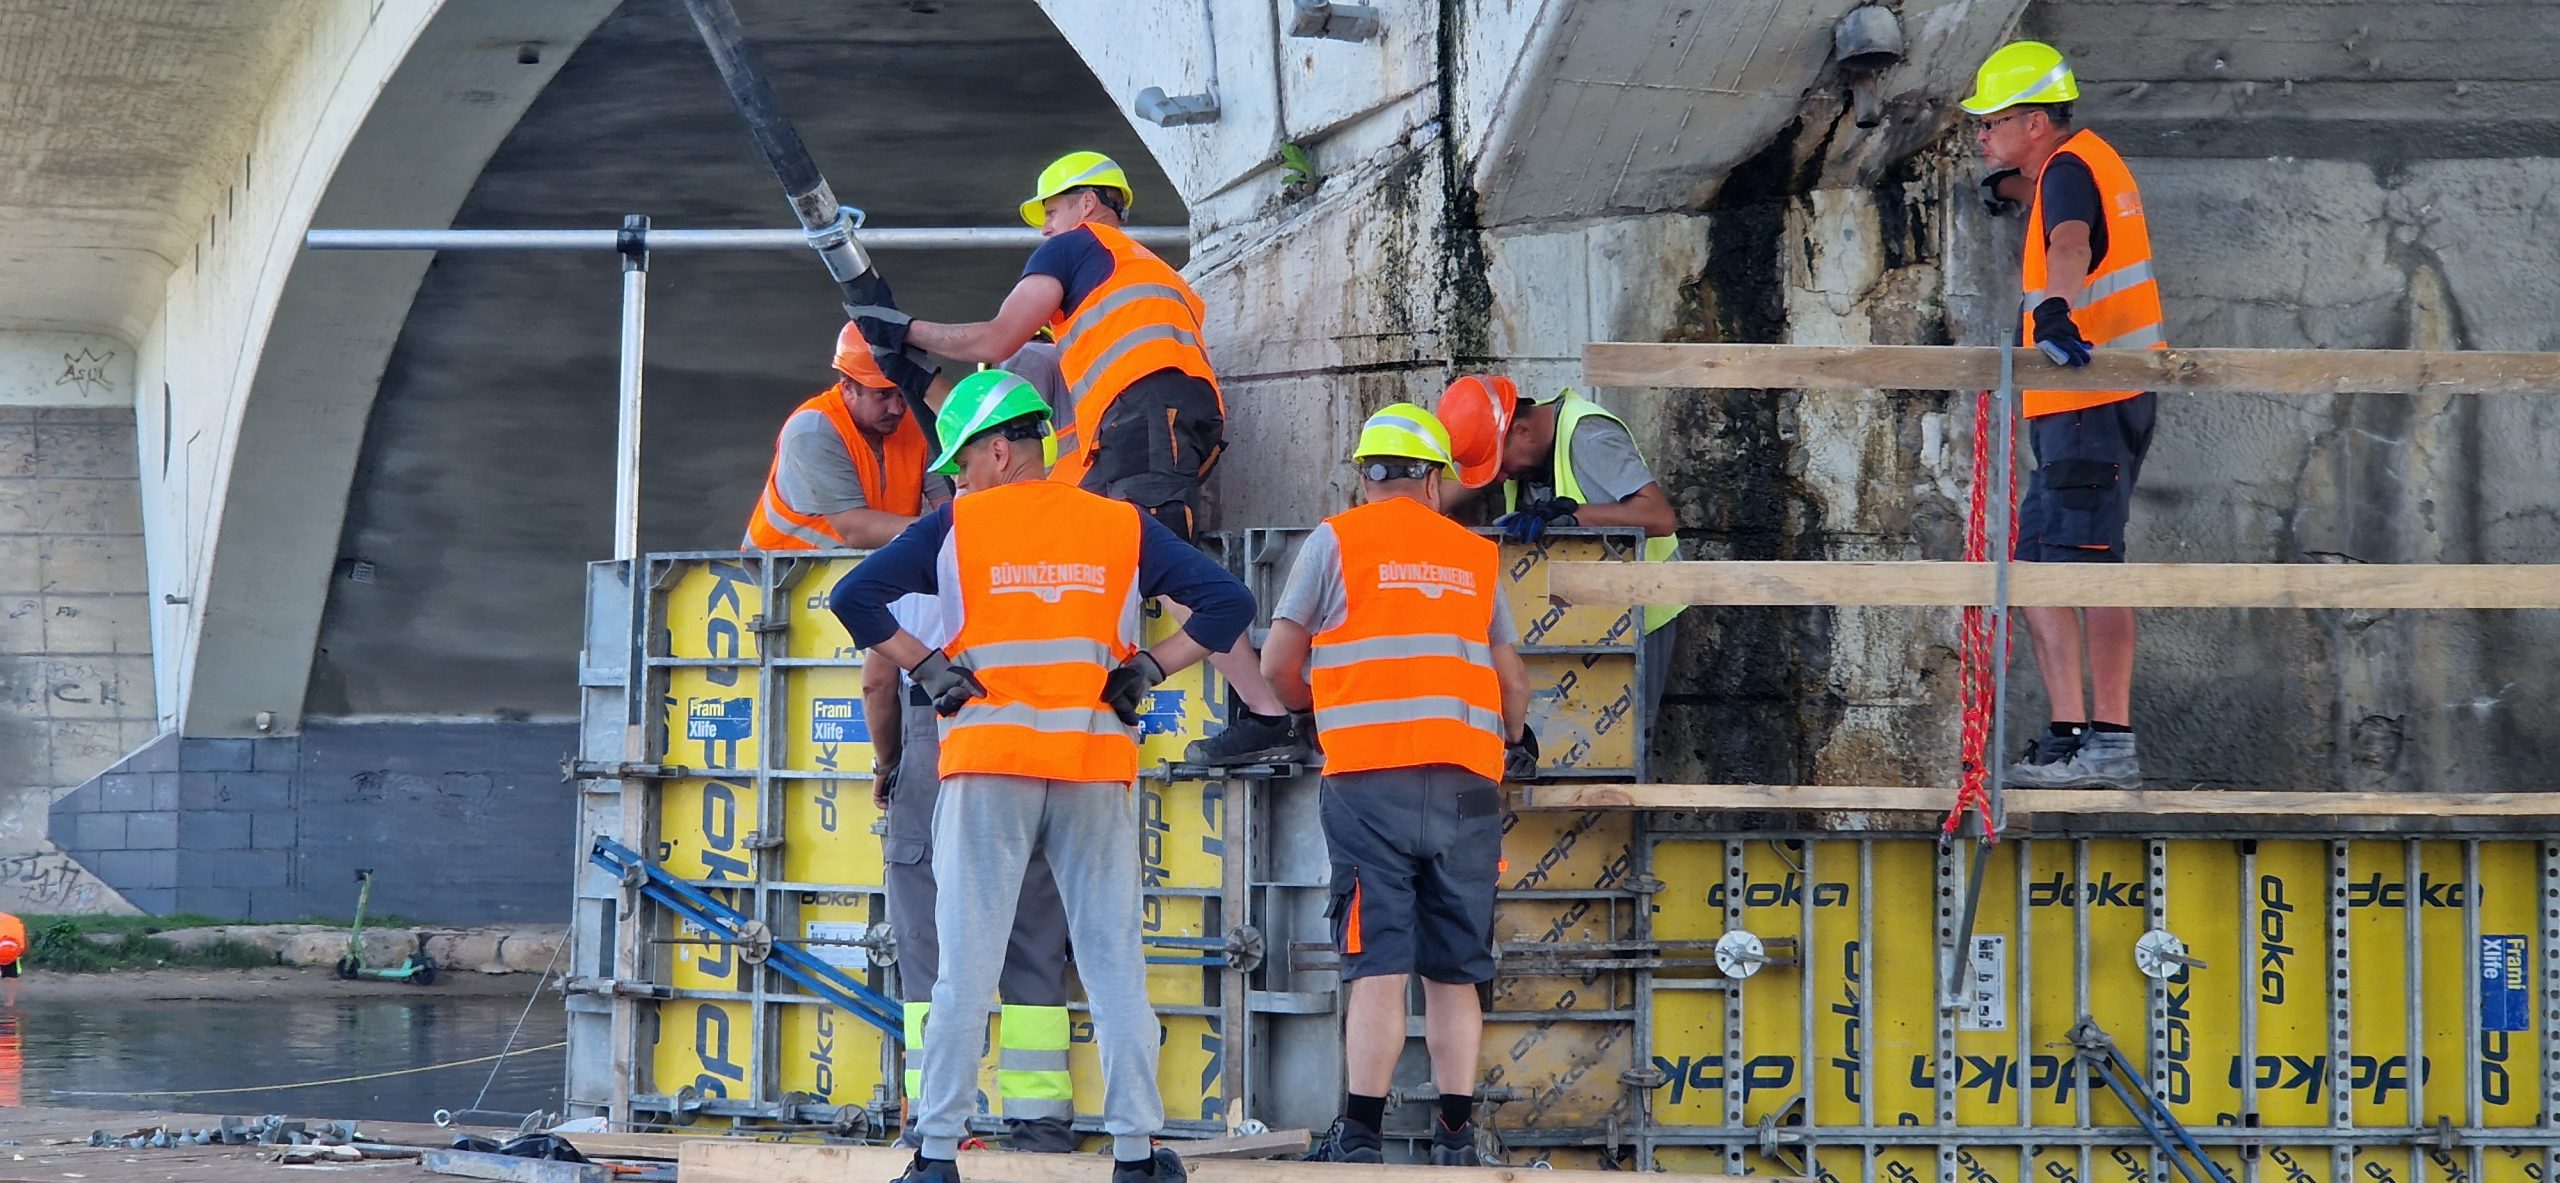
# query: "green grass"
[[60, 944]]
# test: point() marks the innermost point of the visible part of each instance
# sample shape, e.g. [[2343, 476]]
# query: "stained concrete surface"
[[461, 823], [487, 475]]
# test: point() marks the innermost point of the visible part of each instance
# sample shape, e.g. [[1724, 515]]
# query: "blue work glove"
[[1529, 523], [1125, 688], [2057, 336], [883, 326], [1520, 756], [949, 685]]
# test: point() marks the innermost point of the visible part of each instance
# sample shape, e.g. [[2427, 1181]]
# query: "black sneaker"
[[1251, 739], [1347, 1141], [929, 1170], [1454, 1148], [1164, 1167], [2046, 748]]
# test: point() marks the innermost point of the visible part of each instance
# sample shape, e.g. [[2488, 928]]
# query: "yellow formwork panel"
[[706, 1044], [1543, 622], [2256, 1017], [1538, 922], [1583, 707], [706, 609], [1569, 1070], [824, 725], [810, 630], [712, 718], [1190, 1067], [1578, 851], [827, 833], [1181, 834], [829, 1054]]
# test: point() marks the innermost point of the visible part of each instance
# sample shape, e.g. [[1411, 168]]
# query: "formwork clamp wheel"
[[2160, 955], [1740, 954], [755, 942], [1245, 947]]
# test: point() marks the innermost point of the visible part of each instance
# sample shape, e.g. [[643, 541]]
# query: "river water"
[[85, 1054]]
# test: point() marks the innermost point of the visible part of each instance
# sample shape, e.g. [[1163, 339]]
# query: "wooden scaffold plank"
[[2120, 585], [2139, 802], [722, 1161], [2295, 372]]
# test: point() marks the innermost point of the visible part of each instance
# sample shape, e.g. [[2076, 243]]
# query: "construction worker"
[[848, 468], [1393, 626], [2088, 285], [1148, 419], [1564, 460], [1040, 688], [1032, 1082]]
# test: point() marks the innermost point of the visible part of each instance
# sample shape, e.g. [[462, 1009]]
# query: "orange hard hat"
[[1477, 411], [853, 359]]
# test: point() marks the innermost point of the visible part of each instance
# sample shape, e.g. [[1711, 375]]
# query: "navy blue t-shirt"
[[1080, 263], [2071, 195]]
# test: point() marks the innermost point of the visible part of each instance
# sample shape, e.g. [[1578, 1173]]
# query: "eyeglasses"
[[1987, 126]]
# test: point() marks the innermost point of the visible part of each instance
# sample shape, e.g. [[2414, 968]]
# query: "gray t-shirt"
[[817, 476], [1315, 598], [1605, 464]]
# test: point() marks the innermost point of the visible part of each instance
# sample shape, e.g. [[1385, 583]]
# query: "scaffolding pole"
[[921, 238]]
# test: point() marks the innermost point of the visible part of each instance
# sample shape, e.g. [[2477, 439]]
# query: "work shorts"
[[1417, 855], [1155, 446], [2080, 495]]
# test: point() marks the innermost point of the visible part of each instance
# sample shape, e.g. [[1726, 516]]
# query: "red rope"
[[1974, 683]]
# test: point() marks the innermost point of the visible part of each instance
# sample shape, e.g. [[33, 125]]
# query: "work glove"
[[1999, 206], [1520, 756], [1125, 688], [885, 327], [2057, 336], [908, 369], [950, 686], [1529, 523]]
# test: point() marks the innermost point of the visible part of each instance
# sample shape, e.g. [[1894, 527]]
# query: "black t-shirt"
[[2071, 195]]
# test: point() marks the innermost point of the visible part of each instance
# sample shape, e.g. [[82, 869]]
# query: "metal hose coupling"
[[834, 241]]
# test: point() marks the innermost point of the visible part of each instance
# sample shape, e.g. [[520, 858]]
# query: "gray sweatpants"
[[985, 829], [1035, 965]]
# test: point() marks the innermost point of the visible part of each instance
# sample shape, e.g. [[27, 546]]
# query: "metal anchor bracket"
[[1741, 953]]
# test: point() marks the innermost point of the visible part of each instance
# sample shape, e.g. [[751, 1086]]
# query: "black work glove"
[[1999, 206], [2057, 336], [885, 327], [1529, 523], [950, 686], [907, 368], [1125, 688], [1520, 756]]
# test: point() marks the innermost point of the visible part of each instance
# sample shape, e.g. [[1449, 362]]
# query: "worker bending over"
[[1149, 421], [2088, 285], [1393, 625], [848, 468], [1564, 460], [1039, 688]]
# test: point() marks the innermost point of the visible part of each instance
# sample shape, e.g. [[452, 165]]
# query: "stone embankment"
[[455, 950]]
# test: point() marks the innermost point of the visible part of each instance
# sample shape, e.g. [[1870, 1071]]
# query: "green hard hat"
[[979, 402]]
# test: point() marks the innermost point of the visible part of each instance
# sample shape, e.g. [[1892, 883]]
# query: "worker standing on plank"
[[1149, 421], [1039, 688], [1564, 460], [1032, 1081], [848, 468], [1393, 625], [2088, 285]]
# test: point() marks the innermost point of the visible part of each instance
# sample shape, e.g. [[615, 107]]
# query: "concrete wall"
[[75, 641], [462, 823]]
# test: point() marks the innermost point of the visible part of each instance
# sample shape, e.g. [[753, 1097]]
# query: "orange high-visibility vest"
[[1144, 319], [1407, 678], [1048, 590], [2120, 307], [892, 482], [13, 938]]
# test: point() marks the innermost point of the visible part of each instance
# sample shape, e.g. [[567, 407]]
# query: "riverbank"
[[274, 982], [82, 944]]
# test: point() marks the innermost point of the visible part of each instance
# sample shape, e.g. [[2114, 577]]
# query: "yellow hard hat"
[[1076, 170], [2021, 72], [1406, 432]]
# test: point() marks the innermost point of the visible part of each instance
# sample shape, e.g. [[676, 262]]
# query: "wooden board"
[[2103, 585], [2148, 802], [466, 1164], [721, 1161], [1977, 367]]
